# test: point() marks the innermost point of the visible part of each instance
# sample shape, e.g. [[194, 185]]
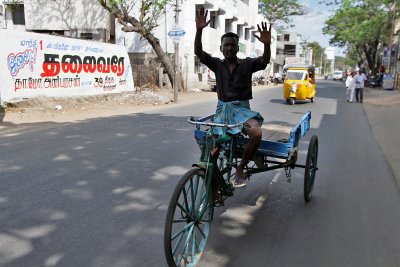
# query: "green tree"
[[340, 63], [144, 22], [280, 10], [318, 55], [318, 52], [360, 25]]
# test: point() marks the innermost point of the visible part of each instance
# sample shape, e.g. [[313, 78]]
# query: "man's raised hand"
[[201, 19], [265, 33]]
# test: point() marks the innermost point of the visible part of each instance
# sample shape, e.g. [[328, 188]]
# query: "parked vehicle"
[[375, 80], [337, 75], [299, 83], [258, 80], [276, 80]]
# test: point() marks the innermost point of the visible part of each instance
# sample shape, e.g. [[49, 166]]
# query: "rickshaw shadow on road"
[[283, 101]]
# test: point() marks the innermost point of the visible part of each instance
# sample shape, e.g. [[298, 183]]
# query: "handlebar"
[[192, 120]]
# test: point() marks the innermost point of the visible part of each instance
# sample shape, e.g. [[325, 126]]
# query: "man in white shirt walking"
[[350, 85], [360, 82]]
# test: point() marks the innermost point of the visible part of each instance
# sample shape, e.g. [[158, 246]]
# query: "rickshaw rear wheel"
[[312, 99], [311, 167], [188, 219]]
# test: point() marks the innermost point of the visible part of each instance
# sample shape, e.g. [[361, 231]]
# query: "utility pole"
[[320, 65], [391, 39], [176, 34], [176, 55]]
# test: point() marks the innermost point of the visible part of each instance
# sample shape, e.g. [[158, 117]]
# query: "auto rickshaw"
[[299, 83]]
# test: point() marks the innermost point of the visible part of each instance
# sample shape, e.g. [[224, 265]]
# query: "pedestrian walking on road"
[[360, 82], [350, 86]]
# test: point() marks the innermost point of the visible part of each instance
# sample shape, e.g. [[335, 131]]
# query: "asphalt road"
[[95, 193]]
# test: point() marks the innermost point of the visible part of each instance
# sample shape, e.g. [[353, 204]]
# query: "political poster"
[[33, 64]]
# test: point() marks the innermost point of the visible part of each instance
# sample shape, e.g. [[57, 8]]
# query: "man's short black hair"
[[230, 34]]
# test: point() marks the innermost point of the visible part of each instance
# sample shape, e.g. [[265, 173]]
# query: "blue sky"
[[311, 24]]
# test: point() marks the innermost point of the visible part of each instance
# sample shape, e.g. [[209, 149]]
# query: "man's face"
[[229, 47]]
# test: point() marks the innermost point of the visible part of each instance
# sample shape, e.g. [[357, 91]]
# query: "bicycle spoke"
[[186, 247], [193, 198], [186, 212], [185, 200], [182, 230], [193, 245], [201, 231], [179, 221], [175, 248]]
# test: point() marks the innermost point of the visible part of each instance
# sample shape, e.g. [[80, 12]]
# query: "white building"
[[330, 53], [87, 19], [238, 16], [291, 49], [84, 19]]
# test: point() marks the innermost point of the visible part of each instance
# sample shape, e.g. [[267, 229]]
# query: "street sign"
[[176, 33]]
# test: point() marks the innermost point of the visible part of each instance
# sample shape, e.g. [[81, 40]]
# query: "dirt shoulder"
[[383, 110], [70, 109]]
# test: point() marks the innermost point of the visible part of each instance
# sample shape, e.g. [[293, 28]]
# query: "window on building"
[[18, 15], [87, 35], [247, 34], [239, 31], [289, 50], [279, 51], [286, 37], [198, 66], [228, 25], [214, 20], [279, 38]]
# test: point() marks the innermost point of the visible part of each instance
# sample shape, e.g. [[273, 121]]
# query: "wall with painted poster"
[[34, 64]]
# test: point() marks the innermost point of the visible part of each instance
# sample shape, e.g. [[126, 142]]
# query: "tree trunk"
[[165, 61], [370, 55], [138, 27]]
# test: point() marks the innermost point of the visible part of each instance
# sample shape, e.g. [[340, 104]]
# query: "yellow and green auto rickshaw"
[[299, 83]]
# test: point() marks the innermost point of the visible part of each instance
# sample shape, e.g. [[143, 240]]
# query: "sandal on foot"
[[239, 181]]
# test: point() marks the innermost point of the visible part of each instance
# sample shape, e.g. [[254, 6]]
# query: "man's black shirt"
[[236, 85]]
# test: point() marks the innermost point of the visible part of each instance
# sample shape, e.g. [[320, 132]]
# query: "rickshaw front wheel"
[[188, 219], [290, 101]]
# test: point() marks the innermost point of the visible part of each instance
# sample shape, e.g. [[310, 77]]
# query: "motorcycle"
[[258, 80], [375, 81]]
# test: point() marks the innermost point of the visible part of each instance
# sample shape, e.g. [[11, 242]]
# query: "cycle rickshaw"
[[208, 183]]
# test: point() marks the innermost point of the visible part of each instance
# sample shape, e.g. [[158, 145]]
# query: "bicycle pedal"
[[219, 204]]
